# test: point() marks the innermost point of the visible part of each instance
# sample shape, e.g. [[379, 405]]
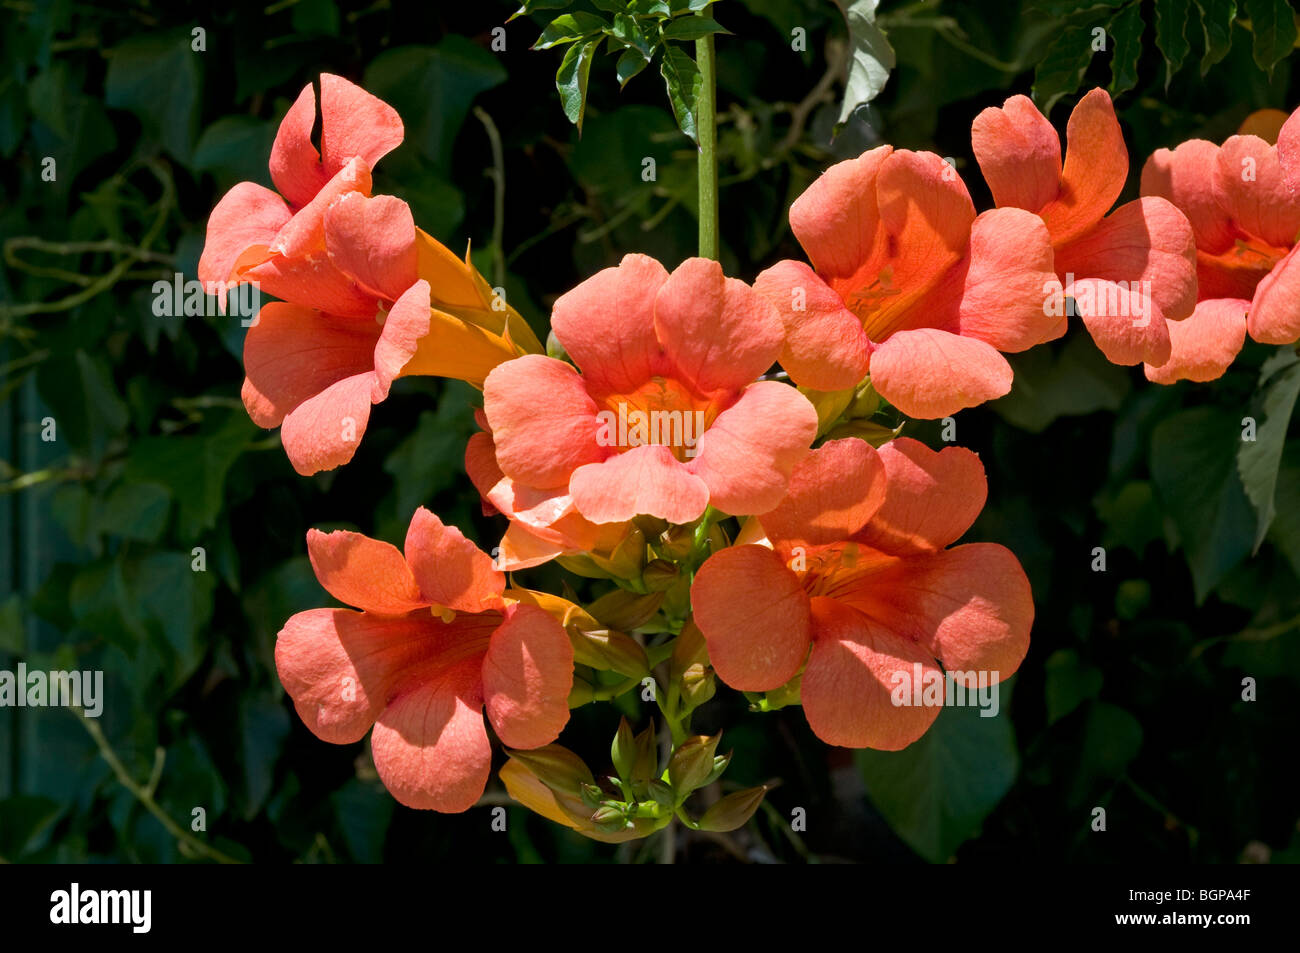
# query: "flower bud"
[[659, 575], [692, 763], [733, 811], [625, 610], [623, 751]]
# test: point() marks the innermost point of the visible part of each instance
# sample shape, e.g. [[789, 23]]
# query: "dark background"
[[1130, 698]]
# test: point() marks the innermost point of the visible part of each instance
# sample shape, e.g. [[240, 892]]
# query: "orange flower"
[[855, 569], [1130, 271], [910, 284], [434, 644], [1243, 200], [368, 297], [663, 416]]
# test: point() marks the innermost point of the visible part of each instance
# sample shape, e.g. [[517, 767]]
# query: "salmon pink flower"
[[855, 587], [1243, 200], [435, 643], [544, 523], [1129, 272], [256, 235], [367, 296], [663, 415], [911, 284]]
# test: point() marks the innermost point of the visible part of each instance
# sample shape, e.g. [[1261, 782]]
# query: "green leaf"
[[194, 467], [166, 604], [629, 33], [936, 792], [872, 58], [234, 148], [685, 85], [1126, 35], [1078, 380], [135, 511], [1258, 460], [1171, 34], [535, 6], [1112, 738], [1285, 531], [1068, 684], [692, 28], [1061, 69], [1217, 17], [157, 76], [571, 80], [1273, 23], [568, 28], [629, 64], [1193, 467], [433, 88], [83, 401]]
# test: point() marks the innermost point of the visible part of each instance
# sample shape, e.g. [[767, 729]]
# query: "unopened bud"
[[692, 763], [733, 811], [659, 575]]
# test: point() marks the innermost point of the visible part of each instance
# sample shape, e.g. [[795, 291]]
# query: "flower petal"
[[366, 573], [338, 666], [607, 325], [754, 614], [247, 215], [1288, 151], [833, 491], [373, 240], [450, 570], [746, 455], [1096, 165], [1203, 346], [323, 432], [1250, 186], [928, 373], [644, 480], [825, 347], [1008, 282], [837, 219], [527, 677], [354, 123], [1128, 327], [856, 668], [970, 606], [404, 327], [1148, 244], [1274, 314], [1019, 153], [1185, 176], [430, 744], [716, 330], [543, 420], [292, 353], [931, 498]]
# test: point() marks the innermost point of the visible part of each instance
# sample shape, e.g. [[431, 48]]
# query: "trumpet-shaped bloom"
[[856, 587], [283, 243], [434, 644], [1130, 272], [663, 415], [909, 283], [544, 523], [368, 297], [1243, 200]]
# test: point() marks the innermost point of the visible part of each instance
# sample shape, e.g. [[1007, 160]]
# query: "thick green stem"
[[706, 127]]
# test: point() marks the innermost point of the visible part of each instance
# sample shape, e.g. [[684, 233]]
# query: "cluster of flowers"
[[843, 573]]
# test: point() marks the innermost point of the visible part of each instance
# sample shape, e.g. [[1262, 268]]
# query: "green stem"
[[706, 127]]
